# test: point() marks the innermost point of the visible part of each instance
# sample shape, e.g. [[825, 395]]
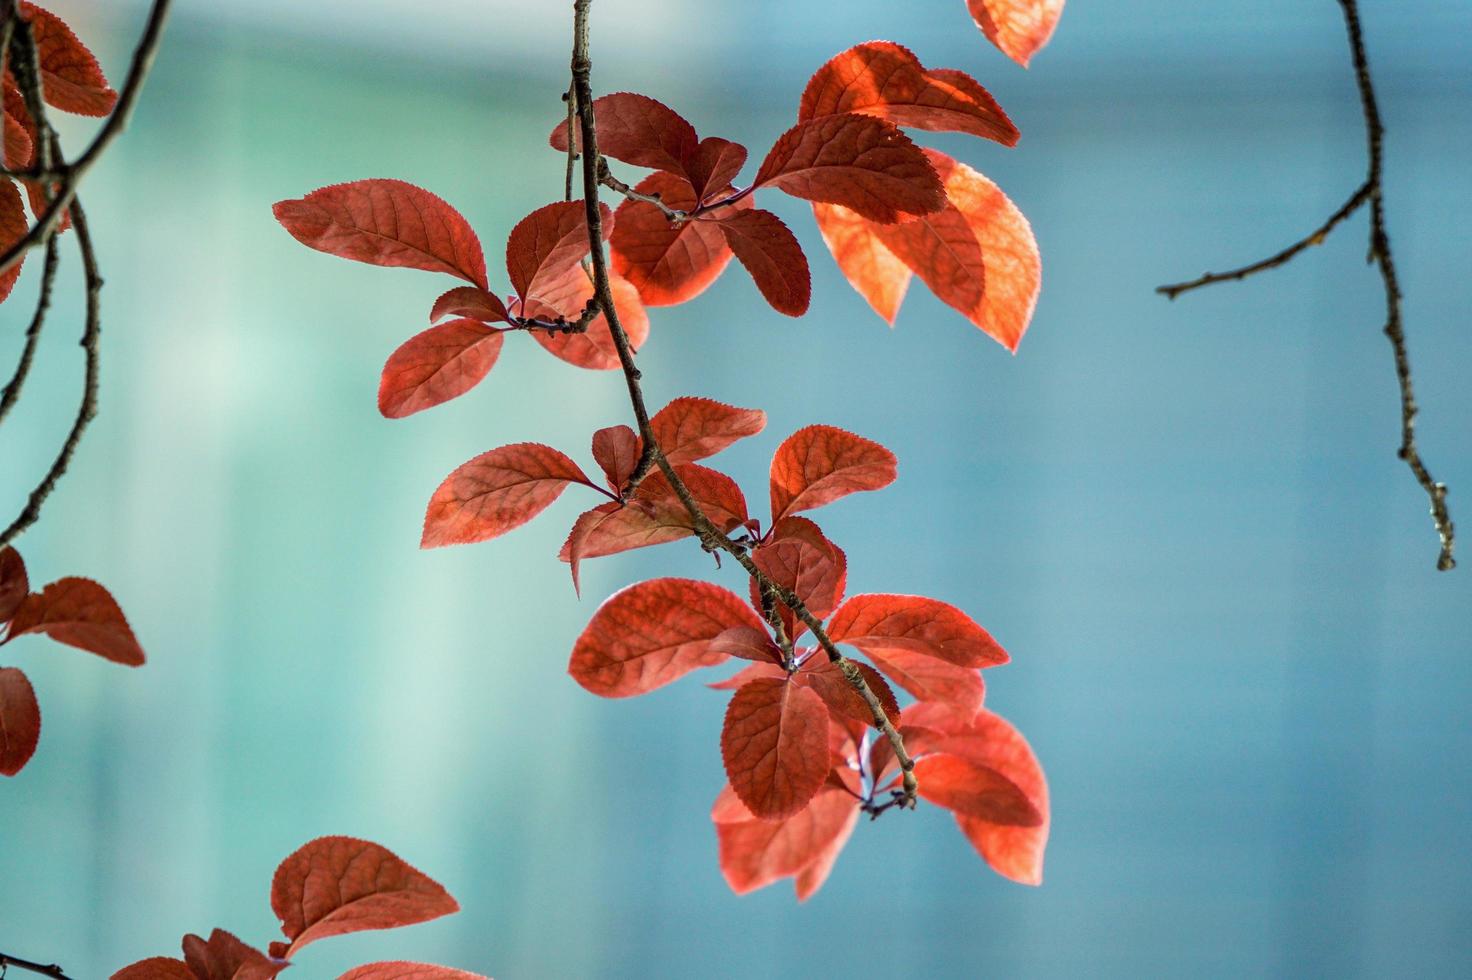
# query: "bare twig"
[[45, 970], [11, 393], [711, 537], [1371, 192]]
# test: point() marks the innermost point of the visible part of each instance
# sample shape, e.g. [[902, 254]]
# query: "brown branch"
[[1371, 192], [11, 393], [46, 970], [711, 537]]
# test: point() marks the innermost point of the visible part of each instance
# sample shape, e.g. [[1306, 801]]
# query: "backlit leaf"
[[798, 556], [748, 643], [616, 450], [437, 365], [690, 429], [79, 613], [755, 852], [775, 746], [770, 252], [638, 130], [1018, 27], [714, 166], [930, 679], [20, 721], [496, 492], [821, 463], [915, 624], [877, 273], [471, 302], [547, 243], [668, 263], [71, 78], [594, 348], [843, 701], [975, 791]]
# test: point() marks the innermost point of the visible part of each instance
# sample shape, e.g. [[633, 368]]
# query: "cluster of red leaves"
[[74, 611], [330, 887], [72, 81]]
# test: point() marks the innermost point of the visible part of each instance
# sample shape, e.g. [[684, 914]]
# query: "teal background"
[[1185, 521]]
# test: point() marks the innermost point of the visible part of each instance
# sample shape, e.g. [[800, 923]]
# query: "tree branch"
[[711, 537], [1371, 192], [51, 970]]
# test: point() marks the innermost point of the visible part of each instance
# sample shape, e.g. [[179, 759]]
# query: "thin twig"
[[11, 394], [1371, 192], [711, 537], [46, 970]]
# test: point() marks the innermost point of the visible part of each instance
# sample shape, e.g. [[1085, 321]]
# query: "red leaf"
[[772, 255], [775, 746], [824, 677], [714, 166], [20, 721], [442, 363], [14, 584], [796, 555], [1018, 27], [593, 349], [650, 634], [747, 674], [886, 80], [616, 450], [469, 301], [389, 223], [71, 78], [690, 429], [748, 643], [876, 272], [638, 130], [496, 492], [754, 852], [547, 243], [18, 148], [916, 624], [930, 679], [224, 957], [156, 968], [858, 161], [79, 613], [975, 791], [407, 971], [337, 885], [668, 263], [819, 464], [13, 227]]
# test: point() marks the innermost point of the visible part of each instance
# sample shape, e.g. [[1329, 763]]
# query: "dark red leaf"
[[14, 584], [668, 263], [821, 463], [798, 556], [638, 130], [1018, 27], [337, 885], [772, 255], [858, 161], [442, 363], [496, 492], [547, 243], [714, 166], [17, 144], [650, 634], [748, 643], [469, 301], [224, 957], [690, 429], [593, 349], [755, 852], [156, 968], [930, 679], [79, 613], [655, 515], [407, 971], [20, 721], [71, 78], [775, 746], [916, 624], [617, 450], [13, 227], [389, 223], [843, 701]]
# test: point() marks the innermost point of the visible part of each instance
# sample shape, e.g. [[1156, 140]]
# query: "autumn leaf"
[[974, 791], [690, 429], [594, 348], [637, 130], [224, 957], [20, 721], [775, 746], [714, 166], [667, 262], [156, 968], [547, 243], [388, 223], [886, 80], [337, 885], [469, 301], [14, 584], [871, 268], [17, 143], [747, 643], [929, 679], [830, 684], [755, 853], [71, 78], [861, 162], [496, 492], [770, 252], [1019, 28], [442, 363], [617, 449], [915, 624], [819, 464], [13, 227], [653, 633], [82, 614], [407, 971], [797, 556]]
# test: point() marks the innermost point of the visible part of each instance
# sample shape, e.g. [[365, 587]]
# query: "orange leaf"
[[858, 161], [71, 78], [879, 276], [930, 679], [819, 464], [224, 957], [407, 971], [650, 634], [442, 363], [13, 227], [638, 130], [668, 263], [1018, 27], [886, 80], [775, 746], [496, 492], [916, 624], [798, 556], [20, 721], [824, 677], [975, 791], [388, 223], [594, 348], [337, 885], [714, 166], [82, 614], [156, 968], [772, 255], [755, 853], [469, 301], [14, 584], [547, 243], [690, 429]]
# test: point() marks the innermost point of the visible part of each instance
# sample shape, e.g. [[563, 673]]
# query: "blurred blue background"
[[1186, 521]]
